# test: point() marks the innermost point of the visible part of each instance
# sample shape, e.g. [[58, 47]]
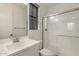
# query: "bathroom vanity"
[[25, 47], [14, 22]]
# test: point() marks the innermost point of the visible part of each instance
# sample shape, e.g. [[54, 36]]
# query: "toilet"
[[47, 52]]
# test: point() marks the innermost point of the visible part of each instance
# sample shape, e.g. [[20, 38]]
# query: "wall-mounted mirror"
[[13, 20]]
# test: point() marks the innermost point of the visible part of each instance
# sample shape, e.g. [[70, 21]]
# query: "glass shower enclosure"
[[61, 32]]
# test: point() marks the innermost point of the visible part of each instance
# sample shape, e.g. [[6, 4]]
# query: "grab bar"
[[19, 28], [68, 36]]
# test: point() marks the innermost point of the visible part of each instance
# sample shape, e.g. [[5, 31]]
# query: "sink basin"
[[5, 41], [12, 47], [15, 46], [20, 45], [3, 50]]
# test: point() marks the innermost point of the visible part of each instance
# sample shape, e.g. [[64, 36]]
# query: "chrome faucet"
[[13, 38]]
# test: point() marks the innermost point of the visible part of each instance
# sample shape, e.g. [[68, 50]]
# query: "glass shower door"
[[63, 33]]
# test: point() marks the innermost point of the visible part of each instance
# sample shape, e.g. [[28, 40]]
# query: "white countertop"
[[10, 47]]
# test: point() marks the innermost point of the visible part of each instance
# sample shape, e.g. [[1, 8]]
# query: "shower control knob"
[[45, 29]]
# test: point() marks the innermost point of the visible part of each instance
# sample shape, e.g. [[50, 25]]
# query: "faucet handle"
[[11, 34]]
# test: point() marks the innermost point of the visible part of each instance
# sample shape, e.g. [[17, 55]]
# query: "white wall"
[[9, 13]]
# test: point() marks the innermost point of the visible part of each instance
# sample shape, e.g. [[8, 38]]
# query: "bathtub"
[[26, 47]]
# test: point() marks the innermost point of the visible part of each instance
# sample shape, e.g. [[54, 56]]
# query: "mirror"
[[13, 20]]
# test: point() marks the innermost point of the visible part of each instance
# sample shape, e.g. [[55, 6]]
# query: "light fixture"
[[70, 25], [51, 17]]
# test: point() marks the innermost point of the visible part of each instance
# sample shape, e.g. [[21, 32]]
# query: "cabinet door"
[[19, 20]]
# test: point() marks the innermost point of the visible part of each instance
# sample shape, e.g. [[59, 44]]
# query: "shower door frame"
[[68, 11]]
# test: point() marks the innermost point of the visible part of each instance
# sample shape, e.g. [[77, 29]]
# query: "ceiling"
[[47, 4], [45, 7]]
